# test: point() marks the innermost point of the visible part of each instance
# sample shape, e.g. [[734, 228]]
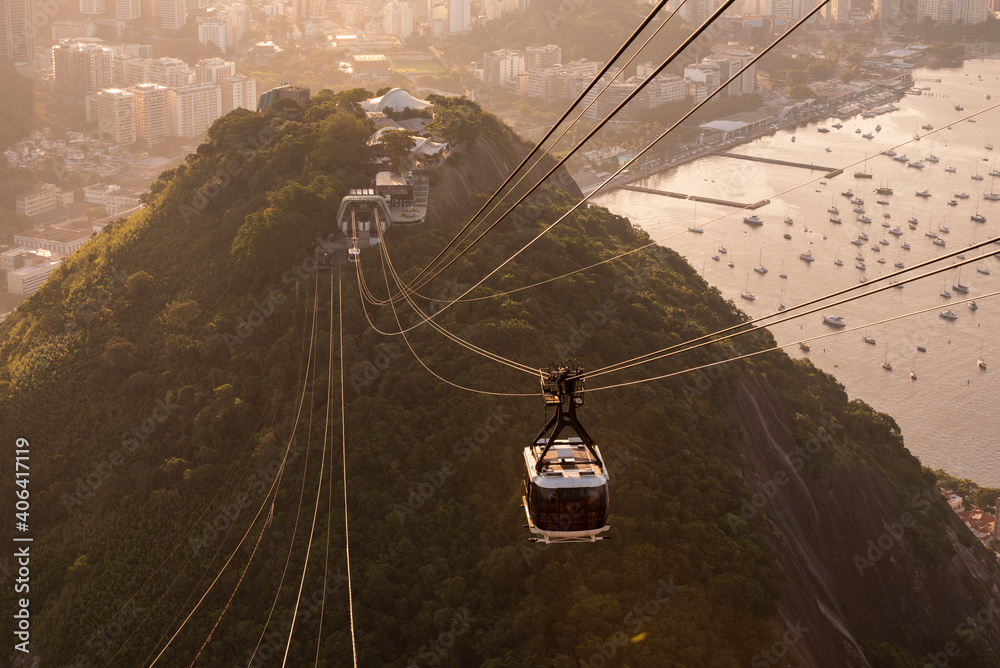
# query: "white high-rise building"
[[173, 14], [92, 7], [116, 115], [397, 19], [213, 70], [170, 72], [501, 66], [128, 10], [15, 30], [238, 92], [458, 16], [215, 32], [152, 118], [542, 56], [127, 70], [193, 109], [969, 11], [494, 9]]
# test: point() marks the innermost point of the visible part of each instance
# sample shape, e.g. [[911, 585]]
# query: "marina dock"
[[696, 198], [773, 161]]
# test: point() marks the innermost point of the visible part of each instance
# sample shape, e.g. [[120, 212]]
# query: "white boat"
[[900, 158], [833, 209], [962, 195], [835, 220], [753, 221], [760, 268], [868, 135], [889, 153], [905, 246], [950, 170], [867, 339], [978, 217], [932, 158], [948, 315], [807, 256], [835, 320], [746, 294], [896, 231], [696, 230], [958, 287], [923, 193], [938, 242]]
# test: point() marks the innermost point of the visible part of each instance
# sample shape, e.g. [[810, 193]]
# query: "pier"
[[773, 161], [696, 198]]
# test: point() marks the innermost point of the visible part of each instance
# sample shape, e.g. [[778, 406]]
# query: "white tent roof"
[[396, 99]]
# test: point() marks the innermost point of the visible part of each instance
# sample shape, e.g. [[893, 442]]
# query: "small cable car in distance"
[[565, 479]]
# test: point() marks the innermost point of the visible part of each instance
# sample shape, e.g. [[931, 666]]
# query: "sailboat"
[[885, 360], [913, 368], [868, 339], [944, 290], [780, 306], [694, 221], [981, 363], [865, 174], [782, 274], [977, 176], [958, 287], [838, 261], [746, 294], [977, 217], [760, 268], [788, 219]]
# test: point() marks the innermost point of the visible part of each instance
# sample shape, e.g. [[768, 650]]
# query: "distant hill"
[[161, 377]]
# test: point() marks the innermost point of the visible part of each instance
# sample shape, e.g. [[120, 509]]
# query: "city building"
[[170, 72], [54, 240], [217, 32], [173, 14], [542, 56], [501, 66], [494, 9], [193, 109], [238, 92], [213, 70], [92, 7], [116, 115], [73, 29], [27, 280], [397, 19], [128, 70], [15, 30], [458, 16], [38, 200], [79, 68], [152, 118], [128, 10]]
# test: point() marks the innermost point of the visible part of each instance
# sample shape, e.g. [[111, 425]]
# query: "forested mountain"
[[185, 363]]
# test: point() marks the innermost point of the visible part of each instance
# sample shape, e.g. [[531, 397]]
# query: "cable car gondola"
[[565, 479]]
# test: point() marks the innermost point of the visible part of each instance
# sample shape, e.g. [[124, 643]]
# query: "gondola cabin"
[[353, 254], [566, 498]]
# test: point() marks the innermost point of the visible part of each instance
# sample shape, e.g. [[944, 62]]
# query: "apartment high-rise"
[[397, 19], [80, 67], [542, 56], [93, 7], [458, 16], [238, 92], [501, 66], [213, 70], [173, 14], [15, 30], [170, 72], [152, 118], [116, 115], [128, 10], [217, 32], [193, 109]]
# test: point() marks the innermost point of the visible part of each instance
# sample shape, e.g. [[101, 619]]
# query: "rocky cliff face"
[[473, 173], [844, 543]]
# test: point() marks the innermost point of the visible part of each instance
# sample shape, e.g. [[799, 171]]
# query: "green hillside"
[[163, 375]]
